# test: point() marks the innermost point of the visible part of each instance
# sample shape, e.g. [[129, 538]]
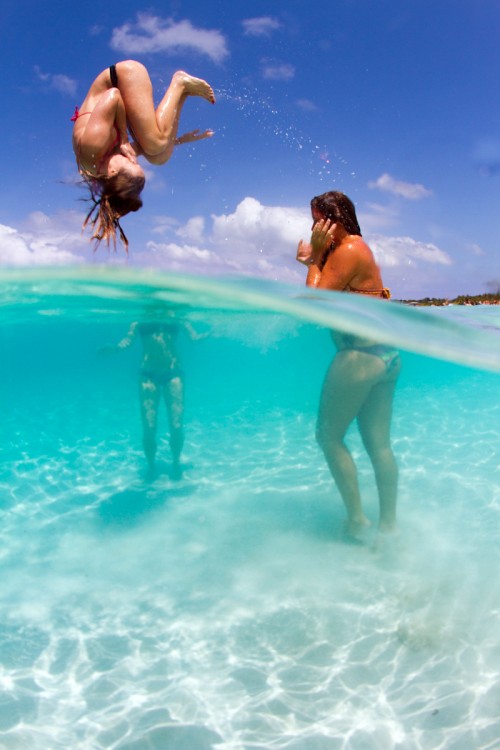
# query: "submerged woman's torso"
[[159, 347]]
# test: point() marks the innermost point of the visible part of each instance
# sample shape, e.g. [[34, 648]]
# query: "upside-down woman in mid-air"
[[121, 100], [361, 380]]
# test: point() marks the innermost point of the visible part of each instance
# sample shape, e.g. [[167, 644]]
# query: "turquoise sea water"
[[226, 610]]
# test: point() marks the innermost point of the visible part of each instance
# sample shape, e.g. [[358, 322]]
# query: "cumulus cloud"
[[272, 231], [252, 240], [56, 82], [193, 230], [411, 191], [397, 251], [255, 240], [262, 26], [260, 240], [307, 105], [150, 34], [376, 217], [476, 249], [277, 71], [43, 241], [181, 257]]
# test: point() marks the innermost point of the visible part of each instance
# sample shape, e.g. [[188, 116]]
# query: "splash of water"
[[323, 161]]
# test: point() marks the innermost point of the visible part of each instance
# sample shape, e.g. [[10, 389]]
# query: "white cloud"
[[164, 224], [277, 71], [42, 243], [262, 26], [253, 240], [398, 251], [272, 231], [194, 230], [377, 217], [151, 34], [476, 249], [260, 240], [413, 192], [57, 82], [181, 255], [307, 105]]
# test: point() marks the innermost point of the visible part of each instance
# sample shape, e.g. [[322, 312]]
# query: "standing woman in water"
[[361, 380], [121, 99], [161, 377]]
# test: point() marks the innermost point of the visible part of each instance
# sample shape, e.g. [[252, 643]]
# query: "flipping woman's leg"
[[156, 130]]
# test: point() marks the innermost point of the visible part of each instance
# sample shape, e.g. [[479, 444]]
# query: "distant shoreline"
[[463, 299]]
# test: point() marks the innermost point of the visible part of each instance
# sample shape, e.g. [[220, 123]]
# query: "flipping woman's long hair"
[[112, 198]]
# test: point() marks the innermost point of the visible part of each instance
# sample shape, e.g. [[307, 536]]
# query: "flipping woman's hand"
[[127, 150], [193, 135]]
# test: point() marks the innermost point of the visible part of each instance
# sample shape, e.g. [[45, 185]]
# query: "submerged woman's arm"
[[124, 343]]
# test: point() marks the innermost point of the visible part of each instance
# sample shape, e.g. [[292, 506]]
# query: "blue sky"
[[395, 102]]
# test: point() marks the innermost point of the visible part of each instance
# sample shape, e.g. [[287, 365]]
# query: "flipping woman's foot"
[[195, 86]]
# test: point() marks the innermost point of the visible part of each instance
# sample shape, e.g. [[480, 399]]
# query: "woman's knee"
[[320, 435], [327, 439], [130, 67], [381, 455]]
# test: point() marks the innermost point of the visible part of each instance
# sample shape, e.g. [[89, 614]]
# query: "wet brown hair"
[[339, 208], [112, 198]]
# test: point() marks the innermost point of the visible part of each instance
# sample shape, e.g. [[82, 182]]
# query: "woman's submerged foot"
[[388, 539], [150, 473], [176, 471], [195, 86], [388, 527], [357, 528]]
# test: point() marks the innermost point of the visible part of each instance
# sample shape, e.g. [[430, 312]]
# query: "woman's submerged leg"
[[347, 385], [374, 422], [174, 398], [149, 396]]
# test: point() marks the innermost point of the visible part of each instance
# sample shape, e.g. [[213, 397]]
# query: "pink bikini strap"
[[78, 114]]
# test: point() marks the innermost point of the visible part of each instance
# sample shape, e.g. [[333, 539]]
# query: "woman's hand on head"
[[322, 236], [127, 150], [304, 253]]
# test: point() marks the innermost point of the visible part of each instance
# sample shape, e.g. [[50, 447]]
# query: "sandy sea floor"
[[228, 610]]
